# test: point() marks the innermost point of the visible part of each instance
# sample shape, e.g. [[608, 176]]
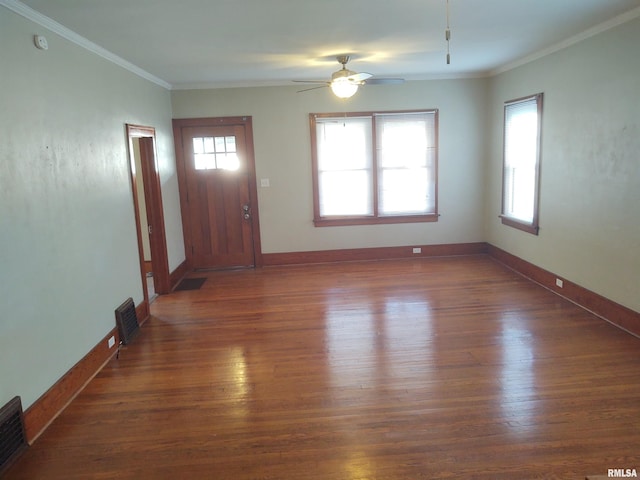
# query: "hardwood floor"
[[441, 368]]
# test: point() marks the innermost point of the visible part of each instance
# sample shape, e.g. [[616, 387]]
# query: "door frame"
[[246, 122], [155, 215]]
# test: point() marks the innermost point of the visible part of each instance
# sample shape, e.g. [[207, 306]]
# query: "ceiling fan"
[[344, 83]]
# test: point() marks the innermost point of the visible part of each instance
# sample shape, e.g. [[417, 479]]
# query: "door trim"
[[246, 122], [155, 215]]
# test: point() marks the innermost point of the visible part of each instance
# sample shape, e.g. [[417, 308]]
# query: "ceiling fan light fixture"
[[343, 88], [344, 83]]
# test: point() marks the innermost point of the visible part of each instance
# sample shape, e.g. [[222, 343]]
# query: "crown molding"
[[600, 28], [46, 22]]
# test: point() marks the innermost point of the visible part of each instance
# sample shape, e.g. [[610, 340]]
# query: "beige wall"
[[283, 155], [590, 185], [68, 248]]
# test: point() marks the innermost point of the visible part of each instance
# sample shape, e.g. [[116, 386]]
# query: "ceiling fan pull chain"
[[447, 35]]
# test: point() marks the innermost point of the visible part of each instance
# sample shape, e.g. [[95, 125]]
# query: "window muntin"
[[215, 153], [521, 163], [374, 167]]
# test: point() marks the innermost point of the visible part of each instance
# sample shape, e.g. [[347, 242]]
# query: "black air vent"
[[127, 321], [13, 440]]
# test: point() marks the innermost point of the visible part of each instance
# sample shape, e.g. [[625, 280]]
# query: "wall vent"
[[127, 321], [13, 439]]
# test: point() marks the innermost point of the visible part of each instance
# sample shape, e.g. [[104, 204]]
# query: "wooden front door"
[[218, 192]]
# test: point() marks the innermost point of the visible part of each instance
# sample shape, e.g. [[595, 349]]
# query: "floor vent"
[[13, 439], [127, 321]]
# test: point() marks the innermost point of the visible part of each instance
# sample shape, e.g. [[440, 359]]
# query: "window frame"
[[376, 218], [532, 227]]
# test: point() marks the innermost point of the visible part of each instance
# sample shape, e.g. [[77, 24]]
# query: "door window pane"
[[211, 153]]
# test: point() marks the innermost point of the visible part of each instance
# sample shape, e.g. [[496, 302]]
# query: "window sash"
[[345, 168], [406, 163], [521, 162], [374, 167]]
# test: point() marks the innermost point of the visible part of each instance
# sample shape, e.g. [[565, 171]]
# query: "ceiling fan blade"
[[359, 77], [323, 82], [312, 88], [384, 81]]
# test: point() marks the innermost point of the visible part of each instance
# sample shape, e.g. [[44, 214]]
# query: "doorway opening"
[[147, 202]]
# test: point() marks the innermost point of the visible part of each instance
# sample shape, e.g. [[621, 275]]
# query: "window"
[[521, 167], [213, 153], [371, 168]]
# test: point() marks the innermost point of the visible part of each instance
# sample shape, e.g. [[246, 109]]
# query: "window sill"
[[346, 221], [525, 227]]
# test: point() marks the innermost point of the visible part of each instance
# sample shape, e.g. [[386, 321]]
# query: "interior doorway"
[[147, 201]]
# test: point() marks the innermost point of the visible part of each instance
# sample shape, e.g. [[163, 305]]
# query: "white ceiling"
[[219, 43]]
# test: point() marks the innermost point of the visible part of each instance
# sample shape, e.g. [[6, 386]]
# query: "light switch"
[[264, 182]]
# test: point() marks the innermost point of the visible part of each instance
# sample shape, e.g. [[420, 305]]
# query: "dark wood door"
[[155, 218], [217, 166]]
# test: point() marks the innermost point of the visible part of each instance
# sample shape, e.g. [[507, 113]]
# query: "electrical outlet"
[[559, 283], [417, 250], [112, 341]]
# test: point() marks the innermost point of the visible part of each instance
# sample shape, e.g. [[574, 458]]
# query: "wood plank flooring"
[[440, 368]]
